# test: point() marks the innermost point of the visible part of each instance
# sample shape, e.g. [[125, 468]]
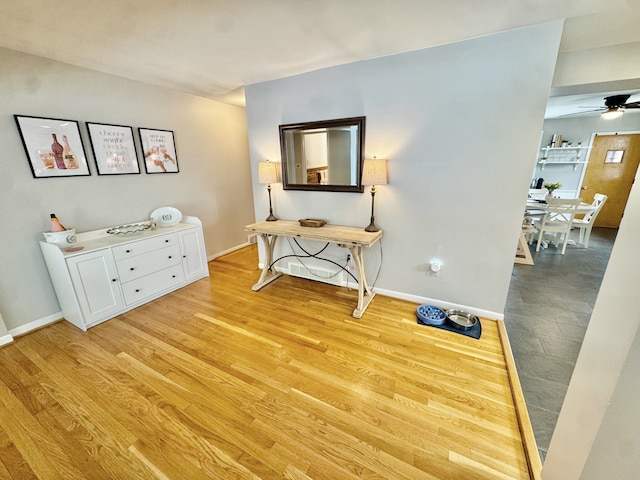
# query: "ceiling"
[[212, 48]]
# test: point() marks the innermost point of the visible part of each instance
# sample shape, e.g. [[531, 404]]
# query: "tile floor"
[[547, 312]]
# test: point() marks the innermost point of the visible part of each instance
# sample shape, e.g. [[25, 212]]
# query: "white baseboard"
[[411, 298], [49, 319], [439, 303], [39, 323], [229, 250]]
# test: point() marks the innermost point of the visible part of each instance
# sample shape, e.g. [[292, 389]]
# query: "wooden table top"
[[327, 233]]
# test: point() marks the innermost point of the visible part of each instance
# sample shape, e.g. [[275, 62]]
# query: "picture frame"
[[614, 156], [114, 149], [53, 146], [158, 150]]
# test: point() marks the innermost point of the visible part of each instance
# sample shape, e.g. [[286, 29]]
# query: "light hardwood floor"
[[218, 381]]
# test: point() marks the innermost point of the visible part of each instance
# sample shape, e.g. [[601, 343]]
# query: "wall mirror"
[[324, 155]]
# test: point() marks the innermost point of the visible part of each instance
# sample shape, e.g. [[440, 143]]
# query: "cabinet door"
[[194, 258], [96, 284]]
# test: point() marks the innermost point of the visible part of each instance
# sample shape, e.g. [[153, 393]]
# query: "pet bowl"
[[461, 320], [430, 315]]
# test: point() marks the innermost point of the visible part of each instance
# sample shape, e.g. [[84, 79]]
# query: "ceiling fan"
[[614, 106]]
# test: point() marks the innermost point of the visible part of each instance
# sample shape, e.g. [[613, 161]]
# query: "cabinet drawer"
[[141, 288], [143, 246], [146, 263]]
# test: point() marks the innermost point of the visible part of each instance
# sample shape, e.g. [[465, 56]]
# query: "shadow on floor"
[[547, 313]]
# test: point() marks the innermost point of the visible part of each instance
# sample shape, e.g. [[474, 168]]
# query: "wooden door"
[[612, 167]]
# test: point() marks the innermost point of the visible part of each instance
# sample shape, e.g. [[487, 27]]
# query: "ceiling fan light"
[[612, 113]]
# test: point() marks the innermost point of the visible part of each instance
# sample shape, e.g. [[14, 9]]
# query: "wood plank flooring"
[[216, 381]]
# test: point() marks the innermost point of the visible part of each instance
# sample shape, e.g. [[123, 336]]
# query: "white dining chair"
[[585, 224], [558, 220]]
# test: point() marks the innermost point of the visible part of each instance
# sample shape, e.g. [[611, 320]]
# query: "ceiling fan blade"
[[632, 105], [582, 113]]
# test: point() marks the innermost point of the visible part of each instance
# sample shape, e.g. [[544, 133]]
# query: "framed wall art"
[[158, 150], [53, 146], [113, 149]]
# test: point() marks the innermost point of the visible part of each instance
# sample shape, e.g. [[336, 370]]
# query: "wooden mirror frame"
[[287, 156]]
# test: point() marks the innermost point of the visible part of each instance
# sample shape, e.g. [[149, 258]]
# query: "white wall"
[[5, 337], [579, 129], [459, 125], [214, 181], [607, 349], [614, 453]]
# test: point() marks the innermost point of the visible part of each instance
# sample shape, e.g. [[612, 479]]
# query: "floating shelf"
[[562, 156], [575, 163]]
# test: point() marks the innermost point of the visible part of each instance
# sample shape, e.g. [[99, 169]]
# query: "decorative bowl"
[[430, 315], [62, 239], [126, 229]]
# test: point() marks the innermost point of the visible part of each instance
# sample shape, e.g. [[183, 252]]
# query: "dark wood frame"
[[341, 122]]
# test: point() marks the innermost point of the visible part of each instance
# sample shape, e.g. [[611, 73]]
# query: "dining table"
[[536, 208]]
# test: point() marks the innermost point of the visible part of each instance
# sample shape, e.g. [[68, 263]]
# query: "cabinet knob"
[[137, 290], [132, 269], [170, 256], [184, 256], [166, 241], [114, 279], [127, 251], [173, 276]]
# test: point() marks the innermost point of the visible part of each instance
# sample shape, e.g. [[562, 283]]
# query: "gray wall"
[[214, 182], [459, 125]]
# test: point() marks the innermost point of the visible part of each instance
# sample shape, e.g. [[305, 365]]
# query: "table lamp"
[[268, 173], [374, 172]]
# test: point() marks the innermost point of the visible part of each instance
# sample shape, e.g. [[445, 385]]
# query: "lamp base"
[[272, 218], [372, 227]]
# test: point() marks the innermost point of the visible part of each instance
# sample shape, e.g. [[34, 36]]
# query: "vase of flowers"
[[551, 187]]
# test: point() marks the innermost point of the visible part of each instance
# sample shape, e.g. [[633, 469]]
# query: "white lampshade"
[[374, 171], [612, 113], [268, 172]]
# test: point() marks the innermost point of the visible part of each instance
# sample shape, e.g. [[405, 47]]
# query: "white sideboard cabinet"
[[111, 274]]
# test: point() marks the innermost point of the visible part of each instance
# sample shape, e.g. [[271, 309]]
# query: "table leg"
[[365, 294], [267, 275], [523, 254]]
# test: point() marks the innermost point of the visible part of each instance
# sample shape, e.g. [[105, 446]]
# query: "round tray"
[[430, 315], [461, 320]]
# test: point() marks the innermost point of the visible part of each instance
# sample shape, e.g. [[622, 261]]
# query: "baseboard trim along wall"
[[49, 319], [439, 303], [400, 295], [36, 324], [229, 250]]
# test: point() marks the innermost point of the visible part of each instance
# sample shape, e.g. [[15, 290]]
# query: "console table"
[[355, 239]]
